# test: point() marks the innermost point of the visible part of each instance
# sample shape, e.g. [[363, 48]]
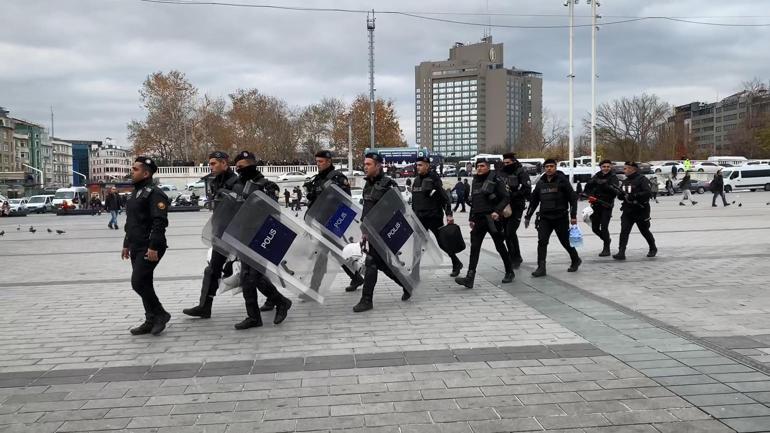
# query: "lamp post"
[[594, 75], [571, 77]]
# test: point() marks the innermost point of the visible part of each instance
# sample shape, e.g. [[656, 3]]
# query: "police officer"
[[222, 177], [145, 242], [558, 209], [519, 188], [250, 179], [377, 184], [430, 202], [328, 175], [635, 194], [601, 191], [489, 197]]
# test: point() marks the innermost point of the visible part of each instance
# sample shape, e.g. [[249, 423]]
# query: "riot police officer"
[[222, 177], [558, 209], [519, 187], [489, 197], [601, 191], [250, 179], [145, 242], [328, 175], [430, 202], [377, 184], [635, 194]]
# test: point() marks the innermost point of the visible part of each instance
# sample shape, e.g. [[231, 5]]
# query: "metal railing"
[[271, 170]]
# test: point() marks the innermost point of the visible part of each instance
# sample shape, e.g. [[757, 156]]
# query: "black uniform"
[[635, 194], [558, 203], [605, 188], [374, 189], [213, 271], [313, 189], [146, 222], [519, 188], [250, 179], [430, 202], [488, 195]]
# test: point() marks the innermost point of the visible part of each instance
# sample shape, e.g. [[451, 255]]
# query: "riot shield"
[[336, 216], [283, 249], [396, 234], [227, 207]]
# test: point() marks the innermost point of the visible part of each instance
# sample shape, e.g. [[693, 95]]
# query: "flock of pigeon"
[[33, 230]]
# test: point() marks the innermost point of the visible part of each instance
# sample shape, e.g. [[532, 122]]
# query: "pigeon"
[[18, 228], [2, 233], [740, 204], [32, 229], [60, 231], [49, 230]]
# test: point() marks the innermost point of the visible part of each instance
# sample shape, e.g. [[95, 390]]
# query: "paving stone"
[[640, 417], [362, 409], [425, 405], [455, 415], [711, 388], [130, 412], [397, 418], [572, 421], [554, 397], [741, 425], [455, 427], [610, 394], [93, 425], [593, 407], [656, 403], [711, 426], [719, 399], [506, 425], [737, 410], [296, 413]]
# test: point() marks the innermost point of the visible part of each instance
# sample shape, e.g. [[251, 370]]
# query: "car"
[[751, 177], [357, 194], [356, 173], [700, 186], [200, 184], [40, 203], [665, 167], [706, 166], [405, 193], [294, 176], [450, 171], [18, 205]]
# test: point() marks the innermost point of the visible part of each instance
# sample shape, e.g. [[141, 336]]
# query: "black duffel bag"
[[450, 239]]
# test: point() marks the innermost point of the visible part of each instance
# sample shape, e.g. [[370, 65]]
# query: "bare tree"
[[629, 127], [541, 138]]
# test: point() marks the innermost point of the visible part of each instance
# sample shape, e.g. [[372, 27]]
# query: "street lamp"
[[571, 5], [594, 30]]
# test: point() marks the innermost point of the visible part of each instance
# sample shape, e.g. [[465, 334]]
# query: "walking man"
[[718, 188], [459, 190], [112, 203], [601, 191], [145, 242], [635, 194], [519, 188], [686, 193]]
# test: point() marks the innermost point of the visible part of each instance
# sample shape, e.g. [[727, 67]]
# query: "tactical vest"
[[373, 192], [318, 184], [483, 196], [551, 199], [423, 193]]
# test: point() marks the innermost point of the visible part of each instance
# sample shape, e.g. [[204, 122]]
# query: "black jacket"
[[251, 173], [635, 194], [488, 194], [225, 180], [320, 181], [555, 196], [429, 198], [717, 184], [112, 202], [146, 217], [604, 187], [518, 184], [374, 188]]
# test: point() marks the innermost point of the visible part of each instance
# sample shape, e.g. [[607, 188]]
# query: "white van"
[[77, 195], [751, 177], [40, 203]]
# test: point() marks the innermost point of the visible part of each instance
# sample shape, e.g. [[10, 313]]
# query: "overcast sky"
[[87, 58]]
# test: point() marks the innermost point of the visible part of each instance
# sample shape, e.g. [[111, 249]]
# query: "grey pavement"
[[672, 344]]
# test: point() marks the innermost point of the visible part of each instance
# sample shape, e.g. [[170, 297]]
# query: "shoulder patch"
[[161, 205]]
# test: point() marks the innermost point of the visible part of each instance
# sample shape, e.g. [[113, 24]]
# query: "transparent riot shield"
[[227, 207], [396, 234], [285, 250], [336, 216]]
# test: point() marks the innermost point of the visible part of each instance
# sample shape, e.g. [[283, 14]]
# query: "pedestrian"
[[579, 190], [287, 196], [686, 193], [223, 178], [430, 203], [519, 189], [489, 197], [557, 200], [674, 171], [252, 279], [687, 164], [670, 187], [602, 190], [377, 184], [654, 187], [6, 209], [718, 188], [112, 204], [459, 190], [635, 194], [95, 203], [299, 199], [467, 190], [145, 242]]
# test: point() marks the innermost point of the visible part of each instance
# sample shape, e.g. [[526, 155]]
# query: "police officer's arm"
[[643, 192], [502, 196], [534, 202], [573, 199], [525, 185], [159, 216]]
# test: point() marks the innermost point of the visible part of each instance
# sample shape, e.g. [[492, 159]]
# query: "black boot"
[[365, 304], [247, 323], [144, 328], [621, 255], [281, 311], [516, 263], [606, 251], [468, 280], [540, 271], [456, 268], [653, 251], [159, 323], [267, 306], [202, 311], [509, 276], [573, 267], [355, 283]]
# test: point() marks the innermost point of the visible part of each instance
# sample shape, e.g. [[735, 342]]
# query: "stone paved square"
[[678, 343]]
